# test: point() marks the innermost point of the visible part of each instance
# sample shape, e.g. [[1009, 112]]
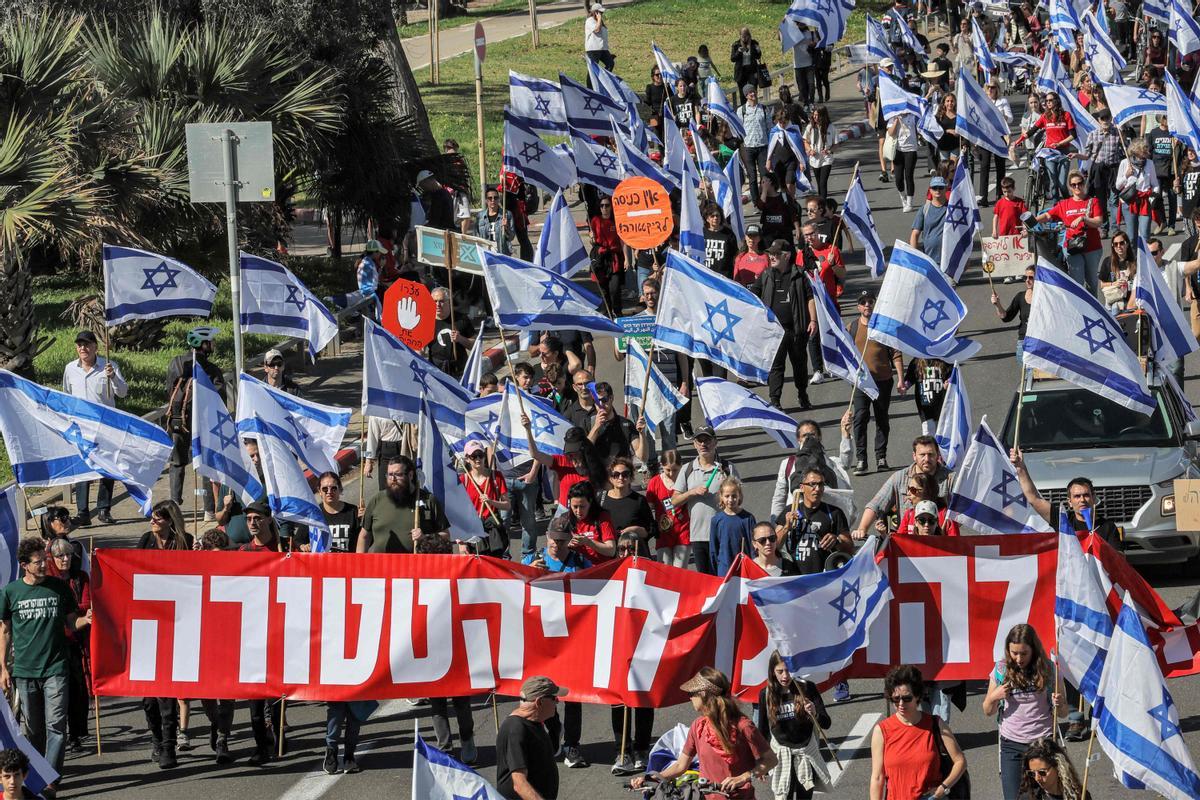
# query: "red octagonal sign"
[[480, 42], [409, 313]]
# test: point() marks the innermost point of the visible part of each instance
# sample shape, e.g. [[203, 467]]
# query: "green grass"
[[675, 25], [421, 26]]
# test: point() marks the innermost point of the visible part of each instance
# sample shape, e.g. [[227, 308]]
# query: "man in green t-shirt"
[[389, 524], [33, 614]]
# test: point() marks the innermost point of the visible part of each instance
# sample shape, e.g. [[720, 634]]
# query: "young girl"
[[731, 529], [671, 521], [786, 713], [1021, 690]]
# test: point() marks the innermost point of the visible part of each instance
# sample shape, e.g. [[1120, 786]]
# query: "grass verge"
[[420, 27]]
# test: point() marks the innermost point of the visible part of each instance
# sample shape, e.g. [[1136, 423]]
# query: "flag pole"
[[1020, 402], [837, 231], [95, 697], [282, 703], [1087, 763], [511, 372], [362, 434], [416, 482], [646, 379], [495, 711], [448, 248], [624, 730]]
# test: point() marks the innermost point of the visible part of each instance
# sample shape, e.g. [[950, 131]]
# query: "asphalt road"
[[386, 751]]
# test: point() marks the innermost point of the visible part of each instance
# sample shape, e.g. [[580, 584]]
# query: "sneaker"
[[817, 378], [978, 198], [156, 752], [805, 403], [260, 758], [104, 518], [640, 757], [76, 745], [882, 465], [907, 207], [210, 516], [841, 692], [1076, 732], [624, 766], [468, 754], [1170, 231], [573, 759], [182, 742], [330, 764], [350, 766], [860, 468], [883, 178], [685, 428], [560, 752], [222, 750]]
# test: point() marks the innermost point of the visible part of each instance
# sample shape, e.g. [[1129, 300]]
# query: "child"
[[671, 521], [787, 713], [731, 529], [1006, 221]]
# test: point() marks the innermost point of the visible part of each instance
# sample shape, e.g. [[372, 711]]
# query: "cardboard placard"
[[1009, 255], [1187, 505]]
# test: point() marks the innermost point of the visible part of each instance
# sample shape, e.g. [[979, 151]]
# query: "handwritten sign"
[[639, 327], [1009, 255], [642, 212], [409, 313]]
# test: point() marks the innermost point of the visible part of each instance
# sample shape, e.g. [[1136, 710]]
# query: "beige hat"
[[701, 684], [540, 686], [271, 355]]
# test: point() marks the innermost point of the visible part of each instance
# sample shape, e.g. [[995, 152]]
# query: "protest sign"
[[1008, 254]]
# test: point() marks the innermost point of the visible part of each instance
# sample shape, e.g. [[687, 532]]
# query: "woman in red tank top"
[[905, 758]]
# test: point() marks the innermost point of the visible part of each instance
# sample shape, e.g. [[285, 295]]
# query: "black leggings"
[[904, 166], [643, 725], [986, 159], [822, 176], [610, 282], [569, 726]]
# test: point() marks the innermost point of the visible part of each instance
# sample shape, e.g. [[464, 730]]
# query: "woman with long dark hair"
[[1049, 774], [788, 713], [608, 256], [820, 138]]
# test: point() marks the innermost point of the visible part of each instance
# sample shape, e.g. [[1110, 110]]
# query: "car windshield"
[[1072, 419]]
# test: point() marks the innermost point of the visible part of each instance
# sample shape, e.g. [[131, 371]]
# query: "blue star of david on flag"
[[296, 297], [1162, 713], [167, 281], [531, 152], [420, 375], [541, 423], [1094, 342], [933, 314], [301, 434], [479, 794], [555, 293], [541, 105], [1093, 50], [74, 435], [592, 105], [721, 309], [824, 6], [846, 603], [973, 115], [957, 214], [492, 421], [226, 440], [606, 161], [1146, 94], [1007, 497]]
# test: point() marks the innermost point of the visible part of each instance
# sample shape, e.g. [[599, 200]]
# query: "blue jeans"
[[1058, 169], [103, 496], [1084, 268], [525, 499], [1012, 766], [44, 702], [335, 715], [1137, 226]]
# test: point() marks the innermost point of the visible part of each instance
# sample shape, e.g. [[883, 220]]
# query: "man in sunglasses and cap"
[[525, 766]]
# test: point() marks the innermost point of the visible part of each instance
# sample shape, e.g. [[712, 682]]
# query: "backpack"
[[178, 419]]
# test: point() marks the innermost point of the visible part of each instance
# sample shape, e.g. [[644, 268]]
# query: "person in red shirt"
[[264, 536], [488, 493], [750, 263], [672, 521], [1080, 214], [593, 534], [1059, 126], [608, 256], [926, 519], [1006, 215], [579, 462], [828, 266]]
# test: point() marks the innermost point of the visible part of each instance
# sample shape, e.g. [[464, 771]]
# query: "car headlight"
[[1166, 506]]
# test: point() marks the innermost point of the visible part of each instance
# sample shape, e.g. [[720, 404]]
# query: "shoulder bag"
[[961, 790]]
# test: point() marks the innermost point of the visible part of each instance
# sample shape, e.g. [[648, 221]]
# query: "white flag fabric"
[[438, 776], [1104, 56], [55, 439], [526, 297], [987, 494], [1183, 113], [274, 301], [560, 247], [663, 400], [1184, 30], [918, 312], [895, 100], [1157, 9], [41, 773], [727, 406], [983, 52], [857, 218], [1136, 718], [691, 226], [313, 431], [877, 45], [634, 162], [525, 154], [288, 493], [710, 168], [12, 525], [718, 106], [614, 88], [588, 111], [1052, 72], [676, 151], [217, 451], [1071, 335], [953, 432], [1173, 338], [978, 120], [1081, 614], [1130, 102], [665, 66], [548, 426], [703, 315], [819, 621], [139, 284], [473, 369], [440, 479], [1064, 21], [538, 102], [728, 193], [838, 350], [961, 225]]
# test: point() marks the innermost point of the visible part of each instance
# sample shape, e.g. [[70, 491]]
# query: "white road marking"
[[850, 746]]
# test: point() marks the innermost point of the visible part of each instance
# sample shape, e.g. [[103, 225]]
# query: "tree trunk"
[[19, 339], [409, 106]]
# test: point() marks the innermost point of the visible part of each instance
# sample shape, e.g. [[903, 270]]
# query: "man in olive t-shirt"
[[33, 614], [389, 524]]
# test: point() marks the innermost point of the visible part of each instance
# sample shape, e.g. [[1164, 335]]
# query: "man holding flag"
[[98, 380]]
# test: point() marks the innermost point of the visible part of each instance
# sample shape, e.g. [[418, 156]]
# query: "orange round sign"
[[409, 313], [642, 211]]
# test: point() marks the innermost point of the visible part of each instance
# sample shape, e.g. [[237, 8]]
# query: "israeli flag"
[[313, 431], [288, 493], [691, 225], [710, 170], [440, 479], [728, 193], [217, 451], [595, 165], [908, 36], [1157, 9], [727, 406], [1136, 718], [1016, 60], [41, 773], [530, 298], [474, 366], [838, 350], [548, 426], [791, 138], [1106, 60], [827, 18], [1184, 30], [962, 223], [438, 776], [987, 494], [1064, 21], [718, 106], [1081, 614], [877, 45], [55, 439], [953, 432], [789, 34], [537, 102], [665, 66], [894, 100], [704, 315], [983, 53], [927, 125], [1053, 73], [635, 162], [274, 301], [918, 311], [12, 519], [857, 218], [560, 248], [139, 284], [616, 89], [667, 749], [663, 399], [482, 422], [1173, 337], [676, 150], [978, 120], [525, 154], [1183, 114], [1071, 335], [1130, 102], [819, 621], [588, 111], [395, 377]]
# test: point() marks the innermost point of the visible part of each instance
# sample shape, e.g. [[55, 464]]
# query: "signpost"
[[435, 42], [480, 52], [231, 162], [642, 212]]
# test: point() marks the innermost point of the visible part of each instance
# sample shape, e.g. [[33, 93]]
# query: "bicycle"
[[688, 786]]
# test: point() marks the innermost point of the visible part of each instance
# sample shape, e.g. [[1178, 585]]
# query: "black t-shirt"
[[776, 221], [1190, 189], [579, 416], [1161, 144], [1106, 530], [720, 249], [628, 511], [1018, 308], [523, 745], [825, 228], [930, 383], [343, 528], [684, 108], [793, 727], [450, 358], [780, 301], [439, 210], [802, 551], [615, 439]]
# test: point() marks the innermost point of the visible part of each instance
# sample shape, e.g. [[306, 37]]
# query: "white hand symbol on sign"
[[406, 313]]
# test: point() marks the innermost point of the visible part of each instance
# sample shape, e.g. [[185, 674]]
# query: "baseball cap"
[[422, 175], [925, 508], [85, 336], [373, 246], [598, 7], [937, 183], [474, 446], [262, 509], [778, 247], [705, 430], [559, 528], [540, 686], [887, 62], [573, 441], [271, 355], [753, 230], [866, 296]]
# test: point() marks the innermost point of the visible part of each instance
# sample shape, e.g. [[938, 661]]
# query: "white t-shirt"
[[801, 57], [812, 143], [595, 35]]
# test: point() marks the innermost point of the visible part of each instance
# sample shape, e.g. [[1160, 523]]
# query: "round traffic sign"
[[480, 42], [409, 313], [642, 212]]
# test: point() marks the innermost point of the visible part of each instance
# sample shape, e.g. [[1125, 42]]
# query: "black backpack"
[[178, 419]]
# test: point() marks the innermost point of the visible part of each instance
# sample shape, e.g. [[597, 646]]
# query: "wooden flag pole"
[[1087, 764], [624, 727], [448, 248], [495, 711], [279, 737], [1017, 421]]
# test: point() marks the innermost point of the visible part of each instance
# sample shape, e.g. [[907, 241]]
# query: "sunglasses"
[[913, 489], [275, 364], [1155, 252], [328, 489], [926, 520], [764, 540], [814, 484], [1039, 773], [1076, 183], [902, 698], [620, 473]]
